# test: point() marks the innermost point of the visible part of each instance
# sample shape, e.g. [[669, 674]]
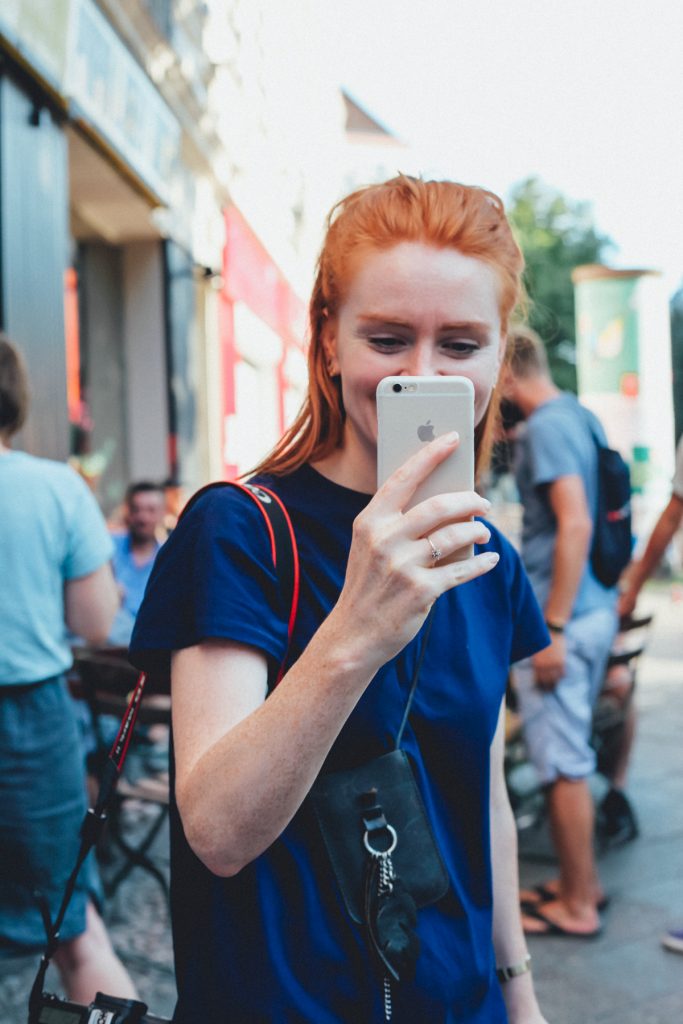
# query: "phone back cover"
[[410, 419]]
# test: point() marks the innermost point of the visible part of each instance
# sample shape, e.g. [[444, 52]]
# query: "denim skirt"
[[42, 805]]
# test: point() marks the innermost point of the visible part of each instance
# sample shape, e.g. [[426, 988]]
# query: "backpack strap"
[[590, 424], [282, 542]]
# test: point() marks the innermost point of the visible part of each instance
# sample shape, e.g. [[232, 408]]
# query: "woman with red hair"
[[414, 278]]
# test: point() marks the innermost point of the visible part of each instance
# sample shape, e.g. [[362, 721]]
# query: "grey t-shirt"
[[556, 441]]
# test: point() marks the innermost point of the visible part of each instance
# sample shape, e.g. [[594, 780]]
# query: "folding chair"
[[106, 681]]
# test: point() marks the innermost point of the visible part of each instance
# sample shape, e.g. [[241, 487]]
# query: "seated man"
[[134, 553]]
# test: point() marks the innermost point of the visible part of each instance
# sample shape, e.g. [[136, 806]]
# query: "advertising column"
[[624, 373]]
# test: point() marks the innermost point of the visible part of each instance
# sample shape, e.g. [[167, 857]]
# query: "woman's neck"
[[350, 466]]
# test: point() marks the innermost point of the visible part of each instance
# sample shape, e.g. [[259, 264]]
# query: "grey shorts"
[[557, 723]]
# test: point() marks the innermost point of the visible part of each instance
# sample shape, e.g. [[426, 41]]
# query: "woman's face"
[[413, 310]]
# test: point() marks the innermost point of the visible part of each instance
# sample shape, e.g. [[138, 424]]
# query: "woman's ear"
[[329, 340], [502, 350]]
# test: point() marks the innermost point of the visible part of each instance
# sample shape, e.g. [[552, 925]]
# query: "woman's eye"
[[385, 341], [460, 346]]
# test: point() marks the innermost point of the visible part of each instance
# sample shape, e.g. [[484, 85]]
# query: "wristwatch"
[[554, 627], [514, 970]]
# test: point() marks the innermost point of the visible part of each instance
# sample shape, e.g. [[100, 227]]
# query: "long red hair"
[[404, 209]]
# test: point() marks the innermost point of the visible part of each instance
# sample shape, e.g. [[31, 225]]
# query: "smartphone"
[[411, 411]]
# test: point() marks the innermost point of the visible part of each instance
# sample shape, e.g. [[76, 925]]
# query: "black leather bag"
[[382, 849], [340, 802]]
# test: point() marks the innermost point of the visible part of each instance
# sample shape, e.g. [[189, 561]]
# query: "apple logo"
[[426, 431]]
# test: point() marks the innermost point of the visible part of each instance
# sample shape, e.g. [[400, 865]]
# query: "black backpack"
[[612, 537]]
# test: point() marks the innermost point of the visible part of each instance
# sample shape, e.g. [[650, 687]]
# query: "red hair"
[[377, 217]]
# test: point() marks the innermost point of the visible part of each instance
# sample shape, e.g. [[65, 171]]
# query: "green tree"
[[556, 234]]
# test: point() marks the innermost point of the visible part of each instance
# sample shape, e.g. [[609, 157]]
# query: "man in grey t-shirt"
[[556, 473]]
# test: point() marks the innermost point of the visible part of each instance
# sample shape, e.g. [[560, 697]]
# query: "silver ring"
[[436, 552], [382, 853]]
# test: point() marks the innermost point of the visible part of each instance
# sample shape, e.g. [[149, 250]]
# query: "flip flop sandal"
[[552, 928], [546, 895]]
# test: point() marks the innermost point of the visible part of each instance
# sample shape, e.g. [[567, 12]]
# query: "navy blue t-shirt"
[[274, 944]]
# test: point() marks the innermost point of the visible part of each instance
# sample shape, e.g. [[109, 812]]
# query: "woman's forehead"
[[413, 277]]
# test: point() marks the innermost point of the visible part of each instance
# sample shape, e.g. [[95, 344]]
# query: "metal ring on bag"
[[381, 853]]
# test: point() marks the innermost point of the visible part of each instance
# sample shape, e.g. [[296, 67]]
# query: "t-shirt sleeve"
[[88, 544], [213, 578], [553, 451], [529, 631]]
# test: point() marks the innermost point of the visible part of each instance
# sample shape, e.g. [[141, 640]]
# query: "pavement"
[[622, 977]]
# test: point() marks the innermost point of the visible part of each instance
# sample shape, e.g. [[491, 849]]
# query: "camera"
[[104, 1010]]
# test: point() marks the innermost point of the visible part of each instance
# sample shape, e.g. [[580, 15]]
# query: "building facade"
[[164, 168]]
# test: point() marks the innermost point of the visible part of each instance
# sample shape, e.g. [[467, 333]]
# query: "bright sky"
[[586, 94]]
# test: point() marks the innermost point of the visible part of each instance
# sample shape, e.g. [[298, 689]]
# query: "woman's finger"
[[457, 573], [449, 540], [453, 506], [400, 487]]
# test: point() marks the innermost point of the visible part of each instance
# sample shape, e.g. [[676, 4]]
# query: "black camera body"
[[104, 1010]]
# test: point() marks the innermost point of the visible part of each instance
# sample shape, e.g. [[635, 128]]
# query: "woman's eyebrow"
[[477, 327], [376, 320]]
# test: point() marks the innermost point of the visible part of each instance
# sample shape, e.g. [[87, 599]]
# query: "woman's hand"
[[392, 578]]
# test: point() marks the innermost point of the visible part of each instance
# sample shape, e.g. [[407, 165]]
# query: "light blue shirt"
[[51, 531], [557, 442], [132, 577]]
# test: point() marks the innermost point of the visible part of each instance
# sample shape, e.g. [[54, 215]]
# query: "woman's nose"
[[420, 362]]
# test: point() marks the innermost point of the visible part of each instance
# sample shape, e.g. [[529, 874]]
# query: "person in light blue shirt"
[[134, 553], [56, 577]]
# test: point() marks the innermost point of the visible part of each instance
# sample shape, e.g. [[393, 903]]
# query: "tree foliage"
[[556, 234]]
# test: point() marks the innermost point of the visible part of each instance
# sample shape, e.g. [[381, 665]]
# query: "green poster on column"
[[607, 333]]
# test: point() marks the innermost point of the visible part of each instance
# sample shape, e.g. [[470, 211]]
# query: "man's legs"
[[570, 807], [557, 726], [616, 820]]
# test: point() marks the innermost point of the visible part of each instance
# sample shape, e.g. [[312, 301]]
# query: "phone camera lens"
[[397, 388]]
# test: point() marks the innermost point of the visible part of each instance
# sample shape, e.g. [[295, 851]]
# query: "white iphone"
[[414, 410]]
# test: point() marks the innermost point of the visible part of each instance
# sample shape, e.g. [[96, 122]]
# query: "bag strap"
[[283, 547], [589, 421], [416, 677]]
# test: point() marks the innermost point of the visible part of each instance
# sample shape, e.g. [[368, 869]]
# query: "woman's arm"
[[508, 938], [244, 764]]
